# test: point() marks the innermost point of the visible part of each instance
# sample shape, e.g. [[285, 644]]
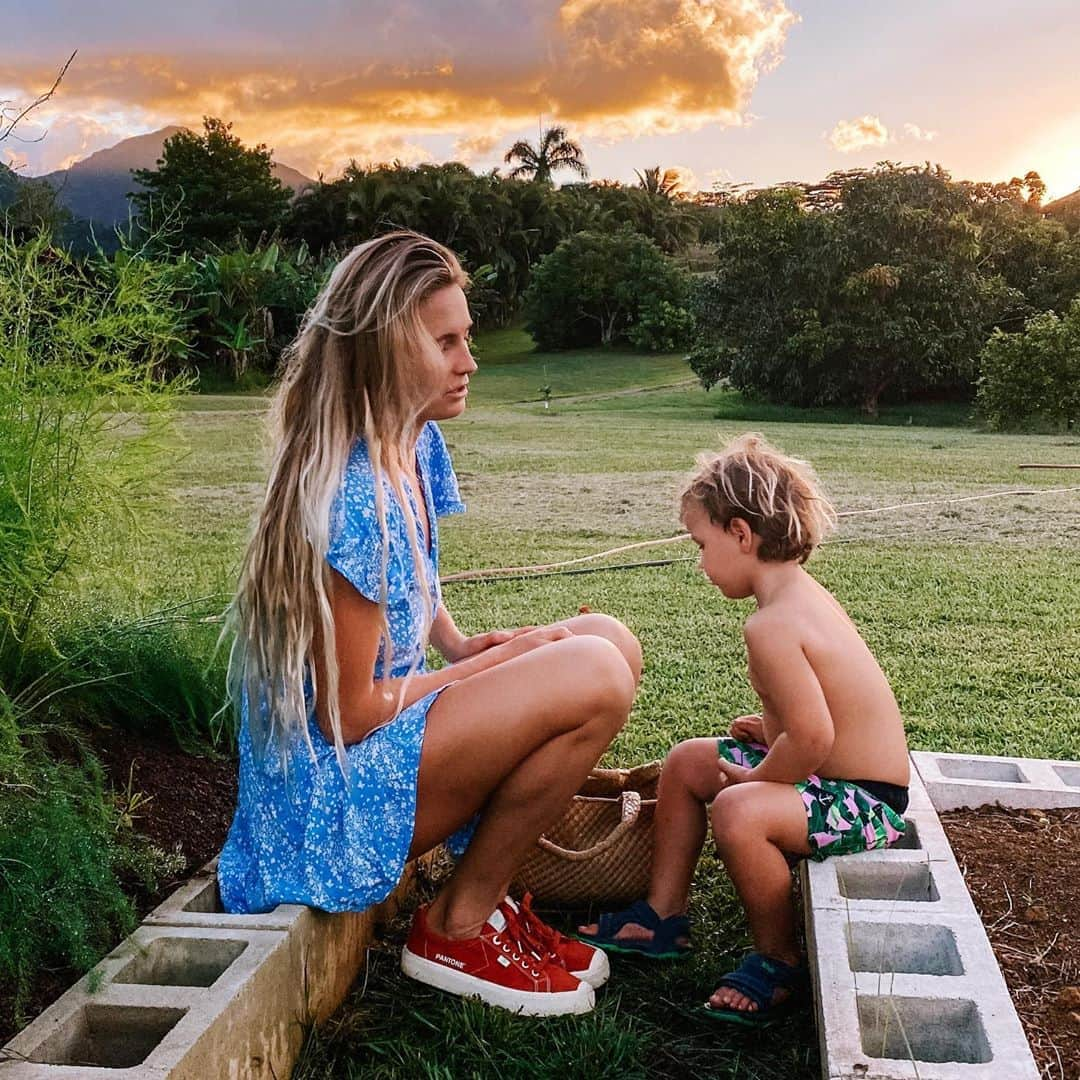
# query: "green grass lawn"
[[971, 607]]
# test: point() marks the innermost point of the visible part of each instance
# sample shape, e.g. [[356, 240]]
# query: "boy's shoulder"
[[773, 625]]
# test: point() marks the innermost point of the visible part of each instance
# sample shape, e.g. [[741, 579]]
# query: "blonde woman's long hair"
[[358, 367]]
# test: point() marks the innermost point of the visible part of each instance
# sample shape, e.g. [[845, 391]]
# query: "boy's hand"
[[732, 774], [748, 728]]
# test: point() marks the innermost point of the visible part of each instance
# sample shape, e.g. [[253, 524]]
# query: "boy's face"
[[728, 555]]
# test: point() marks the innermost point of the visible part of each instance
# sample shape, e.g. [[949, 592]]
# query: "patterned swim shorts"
[[841, 817]]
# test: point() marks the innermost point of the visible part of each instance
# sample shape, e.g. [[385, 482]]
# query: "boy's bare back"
[[809, 665]]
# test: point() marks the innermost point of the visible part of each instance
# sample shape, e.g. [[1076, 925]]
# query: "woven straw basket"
[[600, 851]]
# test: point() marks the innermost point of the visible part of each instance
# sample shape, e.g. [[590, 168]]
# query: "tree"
[[599, 288], [28, 206], [554, 151], [1033, 378], [218, 188], [878, 290], [654, 182]]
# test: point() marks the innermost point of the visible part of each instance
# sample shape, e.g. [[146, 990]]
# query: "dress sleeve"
[[355, 549], [441, 479]]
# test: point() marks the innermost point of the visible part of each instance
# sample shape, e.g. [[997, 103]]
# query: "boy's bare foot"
[[641, 930], [727, 998], [761, 989]]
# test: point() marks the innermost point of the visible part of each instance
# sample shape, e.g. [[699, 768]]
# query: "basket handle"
[[630, 809]]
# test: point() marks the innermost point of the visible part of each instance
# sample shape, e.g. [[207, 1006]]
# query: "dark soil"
[[186, 804], [189, 799], [1023, 873]]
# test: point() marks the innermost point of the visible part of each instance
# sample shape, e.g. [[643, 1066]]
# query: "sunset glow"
[[758, 90]]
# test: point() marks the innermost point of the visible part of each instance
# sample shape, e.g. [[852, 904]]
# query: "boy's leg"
[[754, 824], [689, 780]]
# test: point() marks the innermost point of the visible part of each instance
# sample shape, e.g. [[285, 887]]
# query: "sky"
[[740, 91]]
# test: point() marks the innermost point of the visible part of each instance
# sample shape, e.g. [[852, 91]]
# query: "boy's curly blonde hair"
[[776, 495]]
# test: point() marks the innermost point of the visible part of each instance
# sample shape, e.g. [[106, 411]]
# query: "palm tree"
[[656, 183], [555, 152]]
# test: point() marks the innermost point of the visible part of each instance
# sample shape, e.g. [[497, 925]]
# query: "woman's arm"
[[365, 702], [453, 645]]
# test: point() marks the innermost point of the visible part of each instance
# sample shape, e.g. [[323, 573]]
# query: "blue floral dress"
[[302, 833]]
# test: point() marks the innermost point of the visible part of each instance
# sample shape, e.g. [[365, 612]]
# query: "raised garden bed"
[[1022, 869]]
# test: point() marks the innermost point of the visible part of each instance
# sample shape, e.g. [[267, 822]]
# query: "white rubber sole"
[[523, 1002], [598, 971]]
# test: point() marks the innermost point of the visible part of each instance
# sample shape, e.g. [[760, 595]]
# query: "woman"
[[357, 758]]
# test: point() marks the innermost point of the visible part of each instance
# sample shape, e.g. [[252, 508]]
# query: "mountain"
[[96, 188]]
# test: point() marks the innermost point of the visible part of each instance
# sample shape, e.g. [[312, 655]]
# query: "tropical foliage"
[[874, 285], [1032, 379], [553, 152], [600, 288], [217, 188]]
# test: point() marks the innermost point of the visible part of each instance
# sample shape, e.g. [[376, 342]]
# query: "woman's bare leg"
[[515, 740], [599, 625]]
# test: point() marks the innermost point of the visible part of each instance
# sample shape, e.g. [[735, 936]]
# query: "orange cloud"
[[608, 68], [851, 135]]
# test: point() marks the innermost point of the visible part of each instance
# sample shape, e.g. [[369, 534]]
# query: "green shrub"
[[61, 905], [162, 673], [661, 327], [1033, 378], [599, 288], [81, 355]]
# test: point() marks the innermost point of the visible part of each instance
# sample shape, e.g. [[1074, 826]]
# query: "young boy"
[[784, 782]]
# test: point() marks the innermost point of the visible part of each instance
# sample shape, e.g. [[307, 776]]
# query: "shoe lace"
[[538, 931], [517, 944]]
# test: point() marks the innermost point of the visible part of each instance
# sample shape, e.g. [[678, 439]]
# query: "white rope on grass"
[[547, 569]]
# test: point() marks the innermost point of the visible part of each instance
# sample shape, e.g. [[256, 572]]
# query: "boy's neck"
[[772, 578]]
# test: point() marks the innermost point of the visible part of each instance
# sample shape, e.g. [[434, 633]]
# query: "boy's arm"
[[791, 697]]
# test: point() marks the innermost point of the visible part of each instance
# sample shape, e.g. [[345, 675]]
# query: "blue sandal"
[[664, 945], [758, 977]]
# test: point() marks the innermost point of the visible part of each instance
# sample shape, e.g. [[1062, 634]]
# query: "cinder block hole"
[[207, 900], [873, 880], [180, 961], [1004, 772], [108, 1036], [893, 947], [1070, 774], [922, 1029], [910, 840]]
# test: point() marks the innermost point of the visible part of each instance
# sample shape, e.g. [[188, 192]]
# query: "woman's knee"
[[597, 678], [596, 624]]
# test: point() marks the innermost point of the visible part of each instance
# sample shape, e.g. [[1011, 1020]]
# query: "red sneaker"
[[583, 961], [496, 966]]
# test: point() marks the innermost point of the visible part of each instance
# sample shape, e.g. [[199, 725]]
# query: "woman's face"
[[446, 316]]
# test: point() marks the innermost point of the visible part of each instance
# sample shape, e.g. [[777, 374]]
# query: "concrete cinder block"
[[190, 1000], [198, 903], [906, 984], [972, 780], [154, 1003], [900, 996], [887, 881]]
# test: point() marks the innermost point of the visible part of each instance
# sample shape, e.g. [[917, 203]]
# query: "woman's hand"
[[478, 643], [523, 641], [748, 728]]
